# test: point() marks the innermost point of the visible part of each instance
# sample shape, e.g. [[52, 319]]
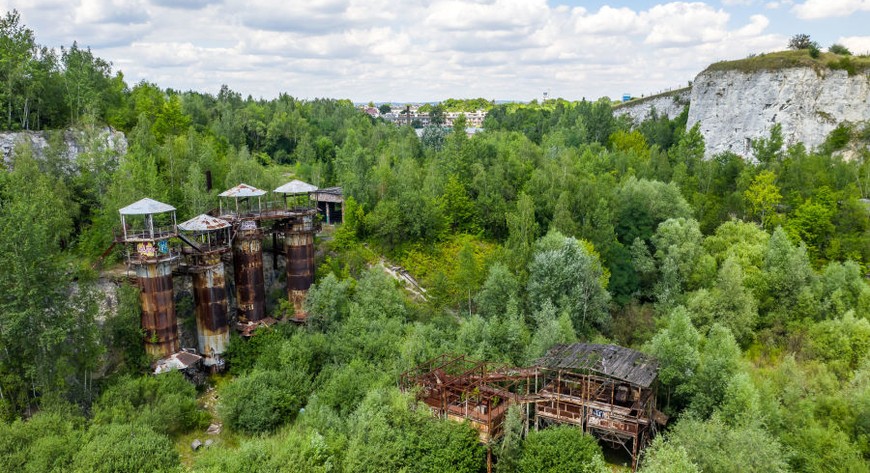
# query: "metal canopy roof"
[[146, 206], [242, 190], [296, 187], [204, 223], [609, 360]]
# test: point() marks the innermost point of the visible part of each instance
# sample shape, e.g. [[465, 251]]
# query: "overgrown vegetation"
[[560, 222]]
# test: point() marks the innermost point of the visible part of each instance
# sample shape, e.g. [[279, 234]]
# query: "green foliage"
[[837, 48], [262, 400], [47, 442], [327, 302], [298, 450], [123, 448], [165, 404], [720, 358], [561, 449], [763, 196], [713, 445], [568, 274], [676, 349], [386, 435], [800, 41], [667, 457]]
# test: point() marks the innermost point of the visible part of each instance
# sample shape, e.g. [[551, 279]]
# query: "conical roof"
[[242, 190], [204, 223], [296, 187], [146, 206]]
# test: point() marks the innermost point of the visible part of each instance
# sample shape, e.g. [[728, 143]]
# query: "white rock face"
[[107, 139], [736, 107], [670, 104]]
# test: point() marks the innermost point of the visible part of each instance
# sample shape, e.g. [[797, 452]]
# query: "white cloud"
[[403, 50], [856, 44], [816, 9]]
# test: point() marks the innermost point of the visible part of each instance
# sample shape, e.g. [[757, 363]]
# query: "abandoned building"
[[231, 235], [606, 390]]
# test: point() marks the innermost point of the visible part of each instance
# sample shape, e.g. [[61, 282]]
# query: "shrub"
[[839, 49], [165, 403], [263, 400], [801, 41], [562, 448], [127, 448]]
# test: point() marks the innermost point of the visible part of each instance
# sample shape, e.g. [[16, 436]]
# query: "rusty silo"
[[207, 239], [244, 212], [299, 232], [147, 226]]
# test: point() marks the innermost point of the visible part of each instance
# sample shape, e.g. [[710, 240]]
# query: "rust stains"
[[210, 294], [299, 248], [248, 274], [158, 308]]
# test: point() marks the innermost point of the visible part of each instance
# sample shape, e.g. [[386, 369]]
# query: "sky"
[[430, 50]]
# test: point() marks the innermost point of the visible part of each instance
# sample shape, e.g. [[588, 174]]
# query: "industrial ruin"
[[606, 390], [158, 249]]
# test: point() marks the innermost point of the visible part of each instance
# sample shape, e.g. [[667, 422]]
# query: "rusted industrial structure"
[[606, 390], [208, 239], [330, 204], [247, 249], [298, 229], [146, 229], [232, 233]]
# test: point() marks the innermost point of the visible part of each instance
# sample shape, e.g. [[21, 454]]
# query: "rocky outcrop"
[[669, 104], [68, 144], [735, 107]]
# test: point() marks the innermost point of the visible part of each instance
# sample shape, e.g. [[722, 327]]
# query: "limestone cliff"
[[68, 144], [736, 105], [669, 104]]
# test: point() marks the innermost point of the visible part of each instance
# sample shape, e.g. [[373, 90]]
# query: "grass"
[[635, 101], [791, 59]]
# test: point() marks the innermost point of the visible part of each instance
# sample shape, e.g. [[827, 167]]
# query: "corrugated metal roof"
[[609, 360], [204, 223], [242, 190], [296, 187], [146, 206], [331, 190]]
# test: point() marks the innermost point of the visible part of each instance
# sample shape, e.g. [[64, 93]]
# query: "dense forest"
[[560, 222]]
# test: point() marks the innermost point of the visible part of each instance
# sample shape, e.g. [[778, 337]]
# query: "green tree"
[[667, 457], [568, 274], [119, 447], [561, 449], [262, 400], [500, 287], [676, 349], [762, 197], [720, 358], [522, 232]]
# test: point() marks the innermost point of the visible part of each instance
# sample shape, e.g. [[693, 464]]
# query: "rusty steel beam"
[[210, 295], [248, 274], [299, 248], [158, 308]]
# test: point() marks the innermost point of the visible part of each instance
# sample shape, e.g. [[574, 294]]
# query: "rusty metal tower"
[[147, 226], [299, 230], [208, 238], [244, 212]]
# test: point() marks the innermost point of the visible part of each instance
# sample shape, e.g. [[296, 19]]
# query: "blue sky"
[[387, 50]]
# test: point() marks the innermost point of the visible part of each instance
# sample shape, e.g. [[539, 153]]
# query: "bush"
[[801, 41], [165, 403], [263, 400], [839, 49], [46, 442], [561, 449], [126, 448]]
